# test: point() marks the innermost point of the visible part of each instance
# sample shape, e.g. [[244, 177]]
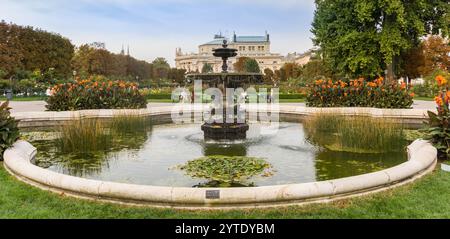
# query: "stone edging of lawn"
[[46, 118], [422, 158]]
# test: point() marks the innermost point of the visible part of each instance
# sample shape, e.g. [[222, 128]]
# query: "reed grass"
[[130, 123], [82, 136], [355, 134]]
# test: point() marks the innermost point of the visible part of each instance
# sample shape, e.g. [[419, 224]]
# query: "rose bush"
[[359, 93], [95, 93]]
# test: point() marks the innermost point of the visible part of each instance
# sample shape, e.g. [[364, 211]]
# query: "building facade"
[[257, 47]]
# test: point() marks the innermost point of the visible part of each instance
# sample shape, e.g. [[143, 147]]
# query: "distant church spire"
[[122, 52]]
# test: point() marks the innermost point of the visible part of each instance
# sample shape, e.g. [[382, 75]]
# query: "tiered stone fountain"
[[227, 129]]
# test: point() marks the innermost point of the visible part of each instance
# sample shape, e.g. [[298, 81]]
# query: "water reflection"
[[146, 156]]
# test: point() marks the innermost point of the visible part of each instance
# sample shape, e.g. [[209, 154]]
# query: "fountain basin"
[[421, 160]]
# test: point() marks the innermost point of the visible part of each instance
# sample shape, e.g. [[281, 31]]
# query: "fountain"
[[230, 128]]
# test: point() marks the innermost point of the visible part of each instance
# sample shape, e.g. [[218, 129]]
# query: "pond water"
[[150, 156]]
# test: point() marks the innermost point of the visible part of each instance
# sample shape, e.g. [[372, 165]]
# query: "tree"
[[177, 75], [239, 66], [314, 70], [430, 55], [160, 68], [365, 37], [269, 76], [252, 66], [207, 68], [436, 55], [247, 65], [28, 49]]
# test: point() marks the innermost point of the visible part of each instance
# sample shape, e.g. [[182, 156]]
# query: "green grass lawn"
[[29, 98], [424, 98], [428, 198]]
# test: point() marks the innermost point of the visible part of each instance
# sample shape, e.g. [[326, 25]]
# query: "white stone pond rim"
[[422, 158]]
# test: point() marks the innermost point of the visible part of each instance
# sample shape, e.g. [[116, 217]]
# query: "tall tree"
[[251, 66], [160, 68], [365, 37], [27, 48], [239, 66]]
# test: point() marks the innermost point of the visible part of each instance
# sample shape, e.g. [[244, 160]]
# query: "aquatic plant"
[[126, 122], [9, 130], [83, 136], [355, 134], [227, 171]]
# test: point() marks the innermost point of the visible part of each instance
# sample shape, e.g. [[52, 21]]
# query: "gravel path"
[[36, 106]]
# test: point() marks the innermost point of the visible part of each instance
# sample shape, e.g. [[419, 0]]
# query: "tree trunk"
[[390, 76]]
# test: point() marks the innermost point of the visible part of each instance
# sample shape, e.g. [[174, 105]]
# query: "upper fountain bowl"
[[225, 52]]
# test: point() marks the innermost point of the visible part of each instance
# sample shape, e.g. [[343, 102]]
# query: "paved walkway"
[[36, 106]]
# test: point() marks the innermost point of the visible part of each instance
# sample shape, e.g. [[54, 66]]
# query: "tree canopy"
[[29, 49], [365, 37]]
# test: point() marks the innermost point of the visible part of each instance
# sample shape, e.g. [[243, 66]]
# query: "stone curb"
[[422, 158]]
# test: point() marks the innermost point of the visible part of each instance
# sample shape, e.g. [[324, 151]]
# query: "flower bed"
[[95, 93], [439, 124], [359, 93]]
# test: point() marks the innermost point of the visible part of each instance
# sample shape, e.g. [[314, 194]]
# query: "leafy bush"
[[9, 130], [95, 93], [359, 93], [439, 124], [226, 171]]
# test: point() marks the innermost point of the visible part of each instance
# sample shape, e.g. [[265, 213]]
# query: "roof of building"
[[218, 39], [251, 38]]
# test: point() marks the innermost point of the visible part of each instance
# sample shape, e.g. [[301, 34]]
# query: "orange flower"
[[379, 81], [412, 94], [403, 86], [438, 101], [372, 84], [441, 80]]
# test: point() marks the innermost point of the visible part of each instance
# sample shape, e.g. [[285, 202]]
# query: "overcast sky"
[[155, 28]]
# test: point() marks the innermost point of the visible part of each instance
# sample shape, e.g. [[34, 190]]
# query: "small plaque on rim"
[[212, 194]]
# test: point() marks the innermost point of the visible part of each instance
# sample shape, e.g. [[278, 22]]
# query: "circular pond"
[[150, 154]]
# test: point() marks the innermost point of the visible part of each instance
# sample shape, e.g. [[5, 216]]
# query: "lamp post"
[[9, 92]]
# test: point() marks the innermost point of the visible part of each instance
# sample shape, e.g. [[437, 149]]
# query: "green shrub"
[[9, 129], [95, 93], [358, 93]]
